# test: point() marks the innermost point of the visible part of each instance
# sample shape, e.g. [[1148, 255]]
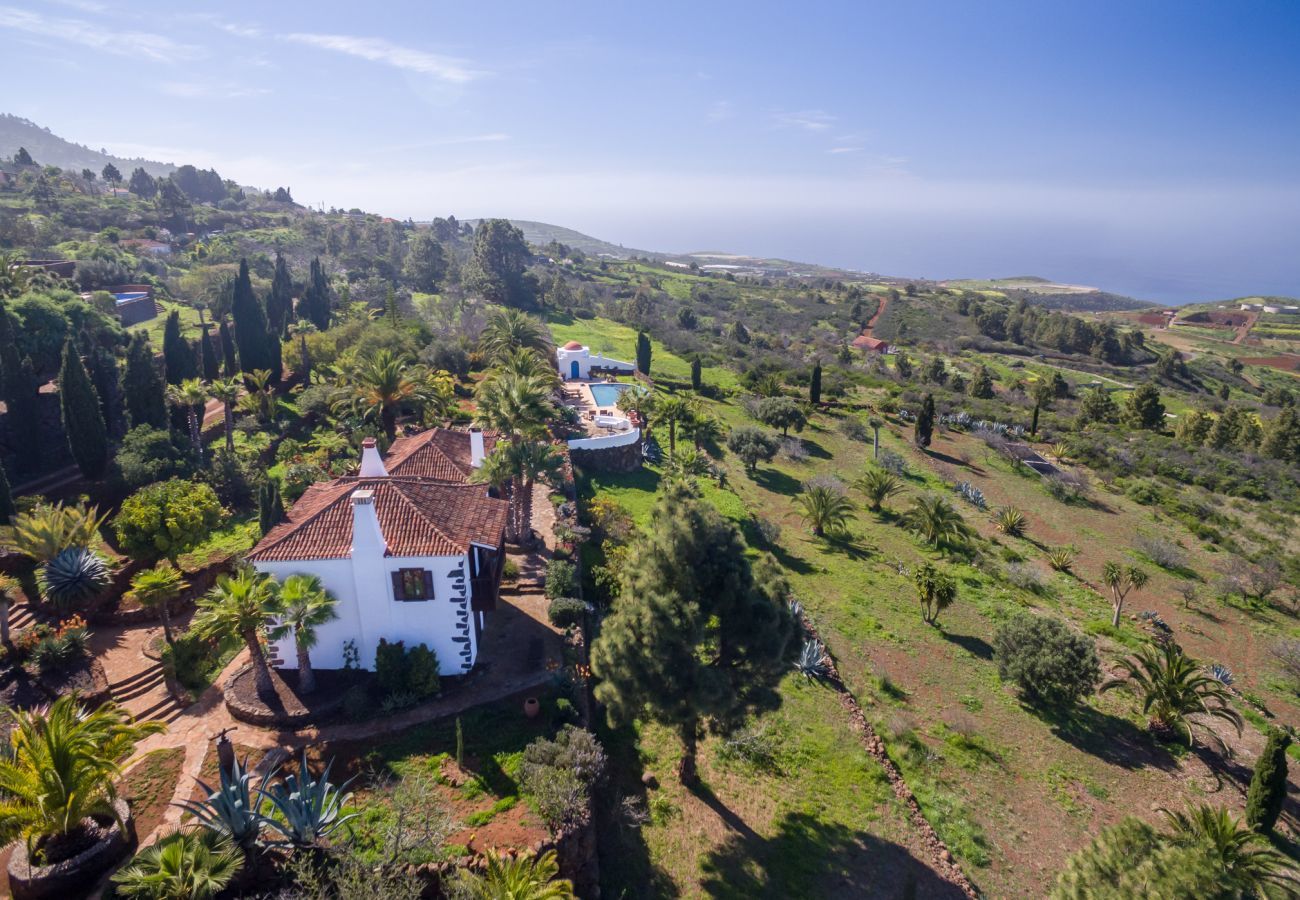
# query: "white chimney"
[[372, 464], [367, 537], [476, 453]]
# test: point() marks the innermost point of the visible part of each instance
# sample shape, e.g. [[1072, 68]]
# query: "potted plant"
[[57, 782]]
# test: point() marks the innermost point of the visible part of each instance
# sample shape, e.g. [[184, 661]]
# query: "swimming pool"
[[606, 395]]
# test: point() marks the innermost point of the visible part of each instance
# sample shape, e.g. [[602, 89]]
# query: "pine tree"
[[279, 303], [643, 351], [208, 356], [146, 394], [270, 505], [1282, 436], [924, 431], [981, 386], [1144, 409], [230, 367], [697, 374], [815, 385], [1268, 783], [7, 508], [251, 334], [689, 586], [178, 356], [82, 420]]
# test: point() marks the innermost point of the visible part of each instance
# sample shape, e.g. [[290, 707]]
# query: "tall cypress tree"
[[315, 303], [925, 422], [279, 303], [697, 374], [101, 363], [1267, 790], [7, 508], [251, 335], [146, 395], [10, 362], [815, 385], [178, 356], [83, 422], [25, 416], [208, 356], [643, 351], [230, 367]]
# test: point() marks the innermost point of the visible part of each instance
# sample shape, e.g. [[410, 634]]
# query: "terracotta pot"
[[532, 706], [71, 876]]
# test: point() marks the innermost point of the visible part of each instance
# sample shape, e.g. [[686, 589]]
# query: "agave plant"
[[1060, 558], [72, 577], [1011, 521], [235, 808], [1221, 674], [311, 809], [813, 662], [971, 494]]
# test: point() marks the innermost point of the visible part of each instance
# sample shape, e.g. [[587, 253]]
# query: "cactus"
[[73, 576]]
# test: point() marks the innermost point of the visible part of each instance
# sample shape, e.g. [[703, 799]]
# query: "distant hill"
[[48, 149], [541, 233], [1044, 292]]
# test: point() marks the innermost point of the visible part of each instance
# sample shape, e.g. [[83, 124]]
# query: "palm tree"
[[520, 465], [191, 396], [1173, 687], [61, 766], [241, 604], [1243, 858], [9, 588], [1121, 580], [527, 363], [640, 401], [304, 605], [302, 328], [936, 590], [260, 399], [518, 878], [509, 329], [185, 865], [226, 391], [157, 588], [673, 411], [878, 486], [701, 429], [876, 423], [378, 387], [825, 508], [49, 529], [513, 405], [936, 521]]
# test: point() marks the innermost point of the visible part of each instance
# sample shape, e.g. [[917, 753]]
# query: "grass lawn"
[[619, 341], [155, 326]]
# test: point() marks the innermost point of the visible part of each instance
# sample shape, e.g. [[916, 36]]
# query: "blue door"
[[573, 369]]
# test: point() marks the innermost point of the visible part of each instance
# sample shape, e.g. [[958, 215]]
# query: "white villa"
[[410, 548], [576, 363]]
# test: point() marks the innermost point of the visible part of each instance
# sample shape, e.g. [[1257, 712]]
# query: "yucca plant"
[[235, 808], [72, 577], [877, 486], [310, 809], [813, 662], [1061, 559], [1011, 521], [186, 865]]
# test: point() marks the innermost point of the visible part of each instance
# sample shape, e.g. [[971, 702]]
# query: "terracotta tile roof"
[[862, 342], [418, 518], [439, 453]]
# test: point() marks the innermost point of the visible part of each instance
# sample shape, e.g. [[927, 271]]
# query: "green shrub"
[[194, 661], [558, 775], [561, 579], [565, 711], [356, 703], [1050, 663], [400, 671], [422, 671], [566, 612], [510, 571], [390, 666]]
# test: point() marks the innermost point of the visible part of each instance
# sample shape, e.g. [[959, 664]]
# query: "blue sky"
[[1153, 148]]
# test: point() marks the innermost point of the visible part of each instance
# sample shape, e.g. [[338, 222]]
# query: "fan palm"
[[241, 605], [60, 767], [825, 508], [49, 529], [186, 865], [514, 405], [9, 588], [509, 329], [226, 391], [638, 400], [672, 411], [191, 396], [304, 605], [936, 521], [878, 486], [156, 588], [518, 878], [1242, 856], [1173, 687]]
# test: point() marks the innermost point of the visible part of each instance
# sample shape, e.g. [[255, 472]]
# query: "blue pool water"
[[127, 298], [606, 395]]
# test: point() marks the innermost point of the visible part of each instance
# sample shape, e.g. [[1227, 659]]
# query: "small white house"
[[409, 557], [576, 363]]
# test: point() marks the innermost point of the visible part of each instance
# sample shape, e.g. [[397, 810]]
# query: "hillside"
[[541, 233], [1053, 295], [48, 149]]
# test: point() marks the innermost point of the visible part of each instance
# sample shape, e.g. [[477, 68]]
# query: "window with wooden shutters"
[[412, 584]]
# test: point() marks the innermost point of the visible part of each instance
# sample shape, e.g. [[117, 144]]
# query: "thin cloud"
[[238, 29], [135, 44], [488, 138], [192, 90], [808, 119], [845, 150], [444, 68]]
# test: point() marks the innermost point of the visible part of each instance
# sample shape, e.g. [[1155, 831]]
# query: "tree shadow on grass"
[[776, 481], [816, 450], [1109, 738], [848, 545], [808, 857], [975, 646]]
